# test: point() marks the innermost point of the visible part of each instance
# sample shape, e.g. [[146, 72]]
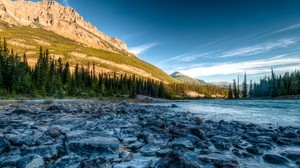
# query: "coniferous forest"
[[269, 86], [52, 78]]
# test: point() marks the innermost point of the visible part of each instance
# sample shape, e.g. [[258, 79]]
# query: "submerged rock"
[[149, 149]]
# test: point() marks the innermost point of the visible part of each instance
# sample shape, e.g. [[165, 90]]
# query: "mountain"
[[186, 79], [28, 25], [221, 84]]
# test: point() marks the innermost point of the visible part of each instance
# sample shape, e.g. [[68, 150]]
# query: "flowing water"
[[262, 112]]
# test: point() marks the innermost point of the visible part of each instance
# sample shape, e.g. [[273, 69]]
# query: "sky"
[[213, 40]]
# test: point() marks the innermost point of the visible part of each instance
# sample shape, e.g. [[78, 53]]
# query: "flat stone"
[[30, 161], [275, 159], [138, 162], [254, 150], [197, 132], [218, 159], [182, 142], [293, 155], [149, 149], [21, 111], [106, 147], [135, 145]]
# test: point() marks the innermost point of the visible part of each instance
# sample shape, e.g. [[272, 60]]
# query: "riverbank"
[[122, 134]]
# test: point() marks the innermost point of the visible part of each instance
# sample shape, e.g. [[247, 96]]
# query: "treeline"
[[51, 77], [271, 86]]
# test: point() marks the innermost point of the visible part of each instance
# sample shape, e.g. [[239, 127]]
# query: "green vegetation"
[[63, 46], [274, 86], [53, 78]]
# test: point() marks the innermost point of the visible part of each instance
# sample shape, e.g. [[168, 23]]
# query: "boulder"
[[219, 159], [30, 161], [197, 132], [138, 162], [135, 145], [275, 159], [20, 111], [106, 147]]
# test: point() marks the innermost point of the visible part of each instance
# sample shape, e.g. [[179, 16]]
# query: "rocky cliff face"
[[52, 16]]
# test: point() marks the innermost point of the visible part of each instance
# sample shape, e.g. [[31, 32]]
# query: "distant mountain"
[[28, 25], [186, 79], [221, 84]]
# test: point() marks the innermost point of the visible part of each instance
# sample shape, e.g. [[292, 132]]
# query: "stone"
[[254, 150], [7, 160], [21, 111], [197, 132], [198, 120], [219, 159], [275, 159], [30, 161], [174, 106], [96, 163], [290, 135], [4, 145], [293, 155], [174, 160], [149, 149], [17, 140], [135, 145], [128, 157], [69, 161], [54, 131], [46, 152], [182, 142], [163, 152], [138, 162], [106, 147]]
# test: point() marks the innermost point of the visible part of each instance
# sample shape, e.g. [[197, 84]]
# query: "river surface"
[[262, 112]]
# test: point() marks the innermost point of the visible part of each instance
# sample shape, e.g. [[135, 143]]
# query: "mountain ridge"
[[186, 79], [63, 20], [31, 35]]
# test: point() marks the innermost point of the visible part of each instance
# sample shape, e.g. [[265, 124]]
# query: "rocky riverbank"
[[121, 135]]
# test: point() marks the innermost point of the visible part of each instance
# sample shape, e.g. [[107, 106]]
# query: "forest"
[[51, 77], [269, 86]]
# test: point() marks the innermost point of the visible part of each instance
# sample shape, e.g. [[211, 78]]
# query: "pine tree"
[[245, 93], [230, 96]]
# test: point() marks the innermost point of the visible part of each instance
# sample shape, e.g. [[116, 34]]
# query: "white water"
[[262, 112]]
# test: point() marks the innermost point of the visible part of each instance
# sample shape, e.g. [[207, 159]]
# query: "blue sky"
[[214, 40]]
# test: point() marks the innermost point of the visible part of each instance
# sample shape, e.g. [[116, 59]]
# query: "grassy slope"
[[62, 46]]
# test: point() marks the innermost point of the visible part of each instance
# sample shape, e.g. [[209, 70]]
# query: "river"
[[262, 112]]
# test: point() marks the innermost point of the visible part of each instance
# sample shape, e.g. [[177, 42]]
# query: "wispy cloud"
[[142, 48], [251, 67], [259, 49], [186, 57], [133, 35], [292, 27], [66, 2]]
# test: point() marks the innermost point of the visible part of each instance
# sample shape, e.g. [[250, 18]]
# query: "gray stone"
[[149, 149], [197, 132], [30, 161], [254, 150], [275, 159], [219, 159], [46, 152], [138, 162], [106, 147], [182, 142], [96, 163], [70, 161], [135, 145]]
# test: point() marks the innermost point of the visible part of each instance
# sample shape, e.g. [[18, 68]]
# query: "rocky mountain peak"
[[63, 20]]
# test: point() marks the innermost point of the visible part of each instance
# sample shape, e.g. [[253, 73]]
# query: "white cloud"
[[186, 57], [279, 63], [66, 2], [292, 27], [259, 49], [142, 48]]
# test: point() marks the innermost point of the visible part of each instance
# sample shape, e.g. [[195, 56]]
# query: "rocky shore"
[[129, 135]]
